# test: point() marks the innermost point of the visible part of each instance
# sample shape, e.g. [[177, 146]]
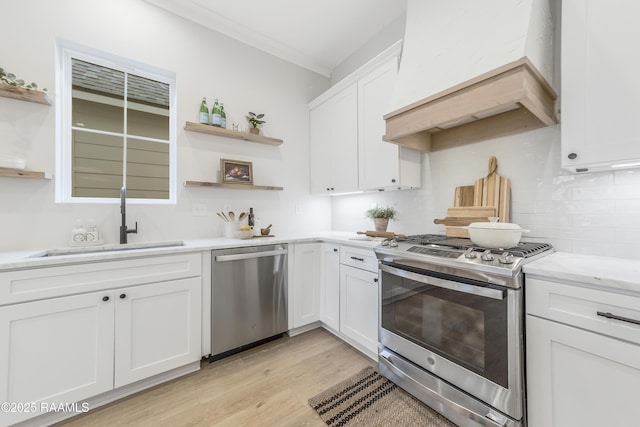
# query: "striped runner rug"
[[369, 399]]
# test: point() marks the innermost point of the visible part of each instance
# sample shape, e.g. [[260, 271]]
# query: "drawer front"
[[38, 283], [359, 258], [604, 312]]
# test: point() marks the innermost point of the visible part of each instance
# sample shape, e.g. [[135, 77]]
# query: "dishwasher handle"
[[235, 257]]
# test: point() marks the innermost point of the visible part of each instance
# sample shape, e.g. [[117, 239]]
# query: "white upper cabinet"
[[381, 165], [347, 126], [334, 149], [600, 87]]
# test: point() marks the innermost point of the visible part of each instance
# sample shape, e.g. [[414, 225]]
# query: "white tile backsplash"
[[594, 213]]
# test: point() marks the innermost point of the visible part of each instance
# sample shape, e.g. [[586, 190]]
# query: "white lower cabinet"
[[68, 348], [305, 283], [359, 307], [330, 286], [583, 367], [338, 285], [578, 378], [55, 351], [157, 329]]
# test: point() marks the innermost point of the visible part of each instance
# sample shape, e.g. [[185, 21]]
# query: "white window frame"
[[65, 51]]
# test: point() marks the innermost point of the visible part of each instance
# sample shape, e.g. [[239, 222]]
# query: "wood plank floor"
[[265, 386]]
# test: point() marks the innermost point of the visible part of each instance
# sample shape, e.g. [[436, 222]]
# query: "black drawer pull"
[[357, 259], [105, 299], [613, 316]]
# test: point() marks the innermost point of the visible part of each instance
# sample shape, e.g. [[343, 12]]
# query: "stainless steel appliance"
[[248, 297], [452, 324]]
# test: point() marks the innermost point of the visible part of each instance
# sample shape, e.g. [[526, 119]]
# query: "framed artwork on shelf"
[[236, 172]]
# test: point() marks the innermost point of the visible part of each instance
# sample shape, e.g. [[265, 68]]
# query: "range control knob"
[[470, 254], [487, 255], [506, 258], [393, 243]]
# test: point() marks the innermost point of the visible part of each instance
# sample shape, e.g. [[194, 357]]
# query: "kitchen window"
[[116, 128]]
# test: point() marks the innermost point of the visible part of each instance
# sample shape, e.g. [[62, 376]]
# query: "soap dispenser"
[[78, 234]]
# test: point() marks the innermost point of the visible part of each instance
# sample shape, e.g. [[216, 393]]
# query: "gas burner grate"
[[529, 249]]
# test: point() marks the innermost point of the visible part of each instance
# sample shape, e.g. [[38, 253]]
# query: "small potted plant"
[[381, 216], [255, 121]]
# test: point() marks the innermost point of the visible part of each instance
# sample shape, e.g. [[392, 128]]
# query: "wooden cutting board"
[[385, 234], [466, 215], [494, 190], [464, 196]]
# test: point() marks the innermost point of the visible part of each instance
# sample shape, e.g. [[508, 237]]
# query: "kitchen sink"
[[80, 250]]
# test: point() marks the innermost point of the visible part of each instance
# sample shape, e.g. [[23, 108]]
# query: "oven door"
[[465, 332]]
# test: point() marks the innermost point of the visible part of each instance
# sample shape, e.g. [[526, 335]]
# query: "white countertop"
[[34, 258], [589, 270]]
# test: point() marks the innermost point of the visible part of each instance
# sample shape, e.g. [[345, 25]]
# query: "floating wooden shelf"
[[232, 186], [212, 130], [23, 94], [18, 173]]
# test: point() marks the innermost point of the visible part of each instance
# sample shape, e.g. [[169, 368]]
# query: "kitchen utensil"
[[385, 234], [466, 213], [495, 234], [494, 190], [232, 216], [243, 215], [221, 215], [265, 231]]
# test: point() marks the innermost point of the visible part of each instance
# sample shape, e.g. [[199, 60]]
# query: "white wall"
[[207, 64]]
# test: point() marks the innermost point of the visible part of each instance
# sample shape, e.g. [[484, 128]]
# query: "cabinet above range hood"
[[472, 71]]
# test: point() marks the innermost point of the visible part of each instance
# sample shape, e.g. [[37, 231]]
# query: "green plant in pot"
[[381, 216], [255, 121]]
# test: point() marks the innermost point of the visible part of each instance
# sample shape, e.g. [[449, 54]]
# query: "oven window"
[[468, 329]]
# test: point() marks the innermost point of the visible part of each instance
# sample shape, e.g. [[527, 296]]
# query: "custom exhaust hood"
[[472, 70]]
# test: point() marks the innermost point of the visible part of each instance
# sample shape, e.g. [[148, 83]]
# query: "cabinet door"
[[320, 151], [56, 351], [359, 306], [577, 378], [330, 286], [306, 284], [157, 328], [334, 144], [378, 160], [600, 87]]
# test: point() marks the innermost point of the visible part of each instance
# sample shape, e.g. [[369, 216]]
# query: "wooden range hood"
[[510, 99]]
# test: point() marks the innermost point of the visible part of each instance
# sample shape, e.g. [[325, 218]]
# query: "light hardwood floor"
[[265, 386]]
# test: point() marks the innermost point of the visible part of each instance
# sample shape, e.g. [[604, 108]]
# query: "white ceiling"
[[314, 34]]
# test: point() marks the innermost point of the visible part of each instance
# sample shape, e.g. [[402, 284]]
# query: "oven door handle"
[[498, 294]]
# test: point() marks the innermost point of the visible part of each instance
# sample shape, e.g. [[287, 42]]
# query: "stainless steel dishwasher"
[[248, 297]]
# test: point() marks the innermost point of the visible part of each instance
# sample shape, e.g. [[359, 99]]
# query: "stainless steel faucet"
[[123, 212]]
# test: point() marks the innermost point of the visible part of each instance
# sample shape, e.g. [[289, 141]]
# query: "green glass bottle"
[[223, 116], [204, 112], [216, 118]]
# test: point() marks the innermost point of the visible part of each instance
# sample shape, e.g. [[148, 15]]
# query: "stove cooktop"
[[435, 241], [459, 254]]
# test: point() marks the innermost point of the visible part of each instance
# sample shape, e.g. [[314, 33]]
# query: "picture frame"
[[236, 172]]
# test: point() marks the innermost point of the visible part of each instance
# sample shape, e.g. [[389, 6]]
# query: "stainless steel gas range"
[[452, 325]]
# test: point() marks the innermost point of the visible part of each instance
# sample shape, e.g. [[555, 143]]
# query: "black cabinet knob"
[[123, 296], [375, 280], [335, 249], [393, 180], [572, 156], [105, 298]]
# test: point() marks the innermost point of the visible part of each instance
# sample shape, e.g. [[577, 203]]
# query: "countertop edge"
[[588, 270], [32, 258]]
